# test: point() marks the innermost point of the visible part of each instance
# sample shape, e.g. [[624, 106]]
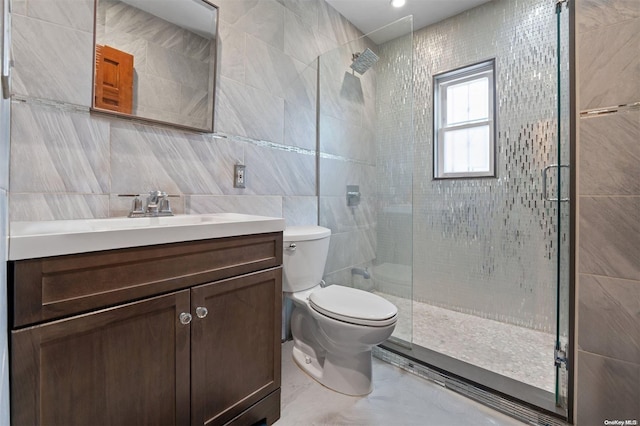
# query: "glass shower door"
[[563, 201], [479, 268], [491, 254], [365, 165]]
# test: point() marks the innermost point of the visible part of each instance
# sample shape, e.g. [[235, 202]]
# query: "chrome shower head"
[[363, 61]]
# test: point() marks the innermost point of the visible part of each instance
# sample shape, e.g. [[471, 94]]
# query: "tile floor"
[[517, 352], [398, 399]]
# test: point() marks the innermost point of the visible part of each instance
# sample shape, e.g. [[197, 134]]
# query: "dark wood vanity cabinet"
[[109, 367], [203, 352]]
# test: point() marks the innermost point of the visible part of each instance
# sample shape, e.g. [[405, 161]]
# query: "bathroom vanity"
[[186, 331]]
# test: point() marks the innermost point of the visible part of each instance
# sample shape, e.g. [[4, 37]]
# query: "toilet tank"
[[304, 256]]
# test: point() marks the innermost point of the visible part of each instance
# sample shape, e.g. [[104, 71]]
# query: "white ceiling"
[[194, 15], [369, 15]]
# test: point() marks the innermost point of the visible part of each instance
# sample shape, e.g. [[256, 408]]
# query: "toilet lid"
[[353, 306], [305, 233]]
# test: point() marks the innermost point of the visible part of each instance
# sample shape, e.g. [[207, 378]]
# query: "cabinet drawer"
[[50, 288]]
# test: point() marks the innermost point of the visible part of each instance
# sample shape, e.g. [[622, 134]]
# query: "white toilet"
[[334, 328]]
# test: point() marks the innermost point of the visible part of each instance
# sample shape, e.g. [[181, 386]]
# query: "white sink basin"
[[114, 224], [29, 240]]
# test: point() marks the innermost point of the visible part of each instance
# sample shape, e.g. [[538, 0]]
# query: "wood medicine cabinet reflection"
[[173, 43], [114, 80]]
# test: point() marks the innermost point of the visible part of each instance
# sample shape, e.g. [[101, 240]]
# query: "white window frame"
[[440, 84]]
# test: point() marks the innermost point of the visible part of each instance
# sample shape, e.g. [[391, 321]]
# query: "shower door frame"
[[509, 390]]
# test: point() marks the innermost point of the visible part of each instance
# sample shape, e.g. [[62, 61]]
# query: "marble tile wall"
[[608, 288], [67, 163], [608, 34], [66, 53], [347, 143]]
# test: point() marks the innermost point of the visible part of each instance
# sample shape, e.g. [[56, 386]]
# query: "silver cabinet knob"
[[185, 318], [201, 311]]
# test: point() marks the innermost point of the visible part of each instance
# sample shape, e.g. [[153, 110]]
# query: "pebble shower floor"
[[517, 352]]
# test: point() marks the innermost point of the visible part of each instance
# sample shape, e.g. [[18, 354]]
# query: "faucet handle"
[[136, 207], [164, 208]]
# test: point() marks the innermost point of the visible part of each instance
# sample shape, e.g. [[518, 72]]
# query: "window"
[[464, 121]]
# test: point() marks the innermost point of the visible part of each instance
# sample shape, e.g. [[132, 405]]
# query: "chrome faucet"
[[157, 205], [153, 202], [359, 271]]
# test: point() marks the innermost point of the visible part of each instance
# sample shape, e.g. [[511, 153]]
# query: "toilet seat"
[[353, 306]]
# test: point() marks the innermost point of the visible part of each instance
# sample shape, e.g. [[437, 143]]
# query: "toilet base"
[[349, 374]]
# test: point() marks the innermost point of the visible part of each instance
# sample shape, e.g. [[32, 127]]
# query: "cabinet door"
[[127, 365], [114, 79], [235, 349]]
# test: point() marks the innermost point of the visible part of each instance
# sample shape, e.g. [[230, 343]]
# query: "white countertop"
[[28, 240]]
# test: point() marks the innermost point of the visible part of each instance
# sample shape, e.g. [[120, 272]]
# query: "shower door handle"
[[544, 181]]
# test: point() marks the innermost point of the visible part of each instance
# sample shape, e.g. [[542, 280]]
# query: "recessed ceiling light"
[[397, 3]]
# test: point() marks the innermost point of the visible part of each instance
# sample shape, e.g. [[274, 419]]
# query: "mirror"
[[156, 60]]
